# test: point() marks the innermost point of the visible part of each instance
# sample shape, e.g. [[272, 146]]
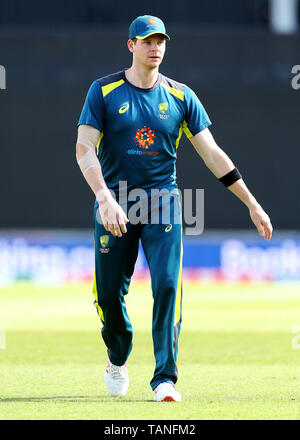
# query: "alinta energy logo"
[[144, 137]]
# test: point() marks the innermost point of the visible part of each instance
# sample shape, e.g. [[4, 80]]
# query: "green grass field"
[[236, 359]]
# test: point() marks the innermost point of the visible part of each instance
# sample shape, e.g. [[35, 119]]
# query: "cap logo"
[[152, 21]]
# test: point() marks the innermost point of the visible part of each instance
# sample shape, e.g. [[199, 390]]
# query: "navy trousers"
[[115, 259]]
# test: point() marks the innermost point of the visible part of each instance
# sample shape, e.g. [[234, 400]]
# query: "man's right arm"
[[220, 165], [113, 217]]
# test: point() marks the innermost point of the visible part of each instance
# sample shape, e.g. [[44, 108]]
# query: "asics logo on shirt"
[[124, 108]]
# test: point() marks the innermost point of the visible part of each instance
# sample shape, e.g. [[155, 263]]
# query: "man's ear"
[[130, 45]]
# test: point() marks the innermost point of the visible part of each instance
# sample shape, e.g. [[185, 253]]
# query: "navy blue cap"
[[146, 25]]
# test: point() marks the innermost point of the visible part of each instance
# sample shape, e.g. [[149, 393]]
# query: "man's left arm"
[[220, 165]]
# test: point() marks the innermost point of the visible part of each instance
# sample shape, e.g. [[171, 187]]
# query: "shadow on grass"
[[75, 399]]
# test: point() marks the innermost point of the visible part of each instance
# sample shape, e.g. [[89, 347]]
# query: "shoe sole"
[[168, 399]]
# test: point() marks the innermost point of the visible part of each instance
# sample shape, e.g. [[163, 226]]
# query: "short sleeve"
[[196, 118], [93, 108]]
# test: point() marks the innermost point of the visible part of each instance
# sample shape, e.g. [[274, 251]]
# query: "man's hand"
[[112, 215], [261, 220]]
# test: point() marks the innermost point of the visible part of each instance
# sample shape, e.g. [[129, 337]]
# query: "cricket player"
[[129, 131]]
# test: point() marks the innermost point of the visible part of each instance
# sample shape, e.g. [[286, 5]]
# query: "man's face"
[[148, 52]]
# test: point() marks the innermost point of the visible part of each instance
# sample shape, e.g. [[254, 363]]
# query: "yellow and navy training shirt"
[[141, 128]]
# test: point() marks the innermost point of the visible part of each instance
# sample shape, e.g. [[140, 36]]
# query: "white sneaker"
[[116, 379], [166, 392]]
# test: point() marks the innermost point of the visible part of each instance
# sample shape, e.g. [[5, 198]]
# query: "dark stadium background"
[[241, 71]]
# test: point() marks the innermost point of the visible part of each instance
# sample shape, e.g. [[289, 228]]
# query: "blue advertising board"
[[52, 256]]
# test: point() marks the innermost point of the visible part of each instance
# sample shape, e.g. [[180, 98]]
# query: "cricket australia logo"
[[144, 137], [104, 240], [163, 108]]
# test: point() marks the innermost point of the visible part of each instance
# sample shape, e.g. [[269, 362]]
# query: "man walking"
[[129, 131]]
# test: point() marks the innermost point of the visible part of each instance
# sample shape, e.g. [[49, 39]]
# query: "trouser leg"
[[115, 258], [163, 251]]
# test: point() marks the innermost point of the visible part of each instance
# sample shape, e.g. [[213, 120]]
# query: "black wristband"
[[231, 177]]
